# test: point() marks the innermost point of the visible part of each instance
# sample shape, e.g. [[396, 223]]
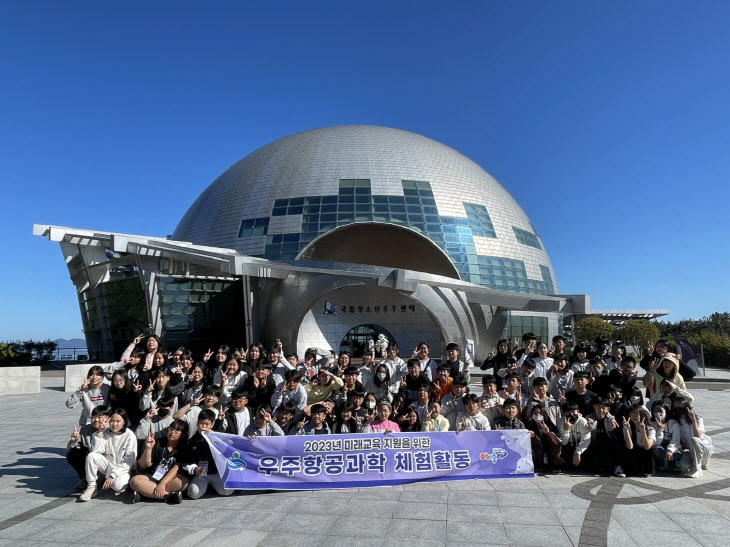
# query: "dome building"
[[328, 238]]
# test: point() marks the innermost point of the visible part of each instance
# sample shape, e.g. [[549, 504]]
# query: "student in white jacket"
[[575, 434], [696, 447], [113, 453]]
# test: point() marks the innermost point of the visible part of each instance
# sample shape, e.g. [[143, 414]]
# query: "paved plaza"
[[566, 510]]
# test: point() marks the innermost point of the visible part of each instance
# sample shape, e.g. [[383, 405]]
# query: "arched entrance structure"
[[380, 244], [356, 339]]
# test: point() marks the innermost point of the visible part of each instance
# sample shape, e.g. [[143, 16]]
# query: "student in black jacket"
[[202, 468], [238, 416]]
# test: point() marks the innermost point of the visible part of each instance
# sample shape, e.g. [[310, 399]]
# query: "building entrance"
[[356, 339]]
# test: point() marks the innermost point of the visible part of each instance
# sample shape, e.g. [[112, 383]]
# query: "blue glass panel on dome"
[[415, 209], [526, 238], [547, 279], [253, 227]]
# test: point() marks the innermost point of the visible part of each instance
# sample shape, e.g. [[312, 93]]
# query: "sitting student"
[[159, 386], [541, 398], [285, 417], [435, 421], [290, 390], [452, 404], [545, 439], [442, 385], [92, 393], [575, 435], [420, 405], [238, 415], [472, 419], [667, 392], [189, 413], [413, 381], [668, 432], [490, 403], [261, 385], [457, 367], [639, 437], [81, 442], [162, 460], [317, 423], [203, 470], [581, 395], [383, 422], [263, 424], [195, 385], [379, 384], [229, 377], [509, 420], [113, 453], [324, 386], [347, 421], [696, 447], [156, 421], [121, 395], [410, 422], [607, 443], [559, 376]]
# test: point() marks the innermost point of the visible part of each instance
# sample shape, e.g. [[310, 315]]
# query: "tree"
[[590, 328], [6, 352], [638, 333]]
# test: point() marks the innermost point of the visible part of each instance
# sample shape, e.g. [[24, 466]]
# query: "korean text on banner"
[[308, 462]]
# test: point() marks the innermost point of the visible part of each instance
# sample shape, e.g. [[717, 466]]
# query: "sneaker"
[[704, 467], [174, 498], [81, 485], [619, 472], [136, 498], [696, 475], [89, 493]]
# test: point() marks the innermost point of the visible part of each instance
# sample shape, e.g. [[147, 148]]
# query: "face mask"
[[162, 412], [634, 400], [572, 418], [381, 376], [660, 415], [370, 404], [539, 418]]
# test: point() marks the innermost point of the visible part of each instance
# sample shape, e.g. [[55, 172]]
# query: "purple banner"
[[309, 462]]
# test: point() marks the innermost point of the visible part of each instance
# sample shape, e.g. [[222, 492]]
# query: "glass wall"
[[202, 313], [517, 325]]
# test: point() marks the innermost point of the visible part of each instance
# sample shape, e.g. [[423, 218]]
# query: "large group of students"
[[145, 429]]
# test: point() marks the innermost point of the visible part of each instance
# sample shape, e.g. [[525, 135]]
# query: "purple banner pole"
[[309, 462]]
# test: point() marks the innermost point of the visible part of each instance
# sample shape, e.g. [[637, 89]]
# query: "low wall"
[[17, 380]]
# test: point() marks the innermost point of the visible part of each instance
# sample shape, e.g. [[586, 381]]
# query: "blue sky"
[[608, 122]]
